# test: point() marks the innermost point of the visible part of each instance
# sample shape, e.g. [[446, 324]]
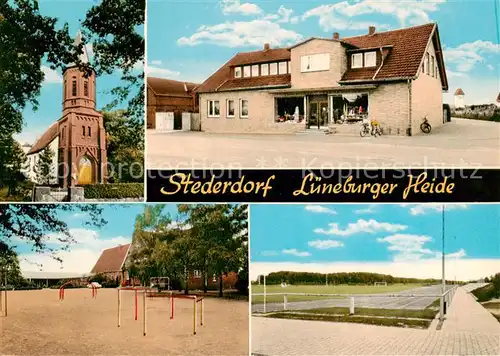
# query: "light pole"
[[443, 280]]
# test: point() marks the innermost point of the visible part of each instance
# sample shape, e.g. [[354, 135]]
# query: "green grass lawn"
[[397, 322], [323, 289]]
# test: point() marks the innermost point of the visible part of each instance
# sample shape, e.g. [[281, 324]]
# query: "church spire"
[[83, 56]]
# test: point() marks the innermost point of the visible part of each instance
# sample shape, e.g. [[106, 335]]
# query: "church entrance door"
[[85, 175]]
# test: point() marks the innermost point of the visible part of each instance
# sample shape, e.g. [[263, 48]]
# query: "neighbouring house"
[[77, 139], [459, 99], [48, 279], [169, 96], [396, 77], [111, 263]]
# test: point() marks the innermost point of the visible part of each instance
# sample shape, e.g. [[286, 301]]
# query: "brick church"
[[78, 138]]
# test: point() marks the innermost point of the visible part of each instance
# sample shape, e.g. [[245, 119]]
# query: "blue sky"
[[50, 100], [203, 35], [90, 240], [363, 236]]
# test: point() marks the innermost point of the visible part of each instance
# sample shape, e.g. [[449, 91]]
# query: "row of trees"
[[113, 27], [212, 239], [339, 278]]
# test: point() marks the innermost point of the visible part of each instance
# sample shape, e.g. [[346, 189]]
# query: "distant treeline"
[[340, 278]]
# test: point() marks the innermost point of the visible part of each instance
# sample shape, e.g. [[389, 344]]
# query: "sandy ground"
[[39, 324], [460, 143]]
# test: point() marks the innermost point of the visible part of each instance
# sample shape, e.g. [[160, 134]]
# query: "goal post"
[[380, 284]]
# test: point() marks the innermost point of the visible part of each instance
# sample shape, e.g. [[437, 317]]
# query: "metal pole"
[[264, 293], [443, 279], [171, 306], [119, 306], [144, 317], [194, 315], [135, 291], [201, 312], [285, 301], [351, 308]]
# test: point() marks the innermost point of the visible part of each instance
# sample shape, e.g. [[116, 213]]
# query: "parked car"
[[446, 113], [94, 284]]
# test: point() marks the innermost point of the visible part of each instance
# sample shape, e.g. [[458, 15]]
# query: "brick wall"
[[388, 104], [426, 99], [261, 115], [320, 79]]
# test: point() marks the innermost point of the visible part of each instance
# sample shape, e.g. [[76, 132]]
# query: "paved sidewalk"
[[467, 315], [469, 332]]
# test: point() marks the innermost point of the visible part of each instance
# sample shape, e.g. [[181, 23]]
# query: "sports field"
[[39, 324], [323, 289]]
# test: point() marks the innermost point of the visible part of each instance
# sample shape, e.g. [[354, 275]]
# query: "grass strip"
[[398, 313]]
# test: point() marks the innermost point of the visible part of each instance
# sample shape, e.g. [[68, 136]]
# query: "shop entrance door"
[[318, 114]]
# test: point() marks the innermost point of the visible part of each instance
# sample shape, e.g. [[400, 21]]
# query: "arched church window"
[[73, 87], [83, 130], [86, 88], [89, 131]]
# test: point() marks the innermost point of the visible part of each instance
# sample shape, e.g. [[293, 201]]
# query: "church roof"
[[459, 91], [84, 56], [45, 140]]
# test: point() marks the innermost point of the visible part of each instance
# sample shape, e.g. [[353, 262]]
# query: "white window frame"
[[271, 65], [196, 274], [282, 70], [356, 55], [427, 59], [245, 74], [227, 108], [238, 69], [433, 68], [213, 106], [262, 66], [254, 68], [289, 67], [315, 62], [241, 108], [374, 56]]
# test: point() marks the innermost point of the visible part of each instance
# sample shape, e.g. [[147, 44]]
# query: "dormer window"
[[237, 72], [273, 68], [255, 70], [370, 59], [264, 69], [246, 71], [282, 68], [357, 60]]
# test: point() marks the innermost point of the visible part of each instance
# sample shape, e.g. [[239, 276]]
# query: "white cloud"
[[490, 67], [295, 252], [81, 257], [230, 7], [408, 247], [155, 71], [367, 226], [283, 15], [325, 244], [463, 269], [320, 209], [156, 62], [242, 34], [51, 76], [372, 208], [340, 15], [269, 253], [422, 209], [464, 57]]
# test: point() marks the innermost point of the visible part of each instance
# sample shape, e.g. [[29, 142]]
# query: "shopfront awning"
[[329, 90]]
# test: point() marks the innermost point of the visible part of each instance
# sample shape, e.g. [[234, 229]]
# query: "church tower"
[[82, 139]]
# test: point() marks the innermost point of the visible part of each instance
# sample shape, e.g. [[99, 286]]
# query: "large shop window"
[[289, 109], [213, 108], [348, 108], [243, 108]]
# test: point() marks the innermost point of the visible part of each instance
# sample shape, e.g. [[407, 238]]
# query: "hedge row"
[[114, 191]]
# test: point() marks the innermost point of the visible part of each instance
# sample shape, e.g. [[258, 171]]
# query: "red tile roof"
[[459, 91], [223, 78], [112, 259], [407, 49], [171, 87], [44, 140]]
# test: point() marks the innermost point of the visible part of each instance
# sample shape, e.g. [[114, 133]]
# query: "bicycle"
[[425, 126], [370, 128]]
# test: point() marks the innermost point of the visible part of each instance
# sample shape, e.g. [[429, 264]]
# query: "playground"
[[85, 322]]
